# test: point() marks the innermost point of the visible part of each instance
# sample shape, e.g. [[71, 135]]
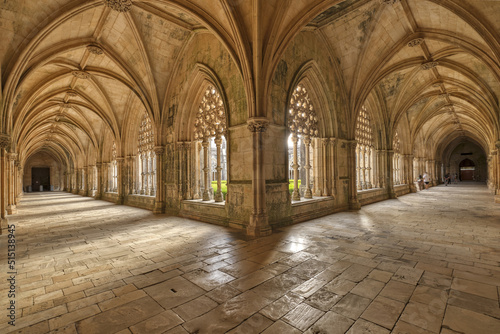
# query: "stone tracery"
[[303, 125], [364, 150], [210, 123]]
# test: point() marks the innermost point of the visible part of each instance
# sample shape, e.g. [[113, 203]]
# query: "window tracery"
[[146, 161], [303, 125], [210, 129], [364, 150]]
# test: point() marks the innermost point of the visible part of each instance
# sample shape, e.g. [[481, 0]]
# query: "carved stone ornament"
[[4, 140], [95, 49], [444, 95], [257, 124], [428, 65], [389, 2], [415, 42], [497, 144], [81, 74], [159, 150], [121, 6], [65, 105], [437, 84]]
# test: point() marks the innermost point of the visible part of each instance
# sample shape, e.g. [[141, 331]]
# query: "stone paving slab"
[[423, 263]]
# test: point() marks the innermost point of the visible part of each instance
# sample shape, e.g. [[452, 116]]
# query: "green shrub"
[[290, 186], [223, 187]]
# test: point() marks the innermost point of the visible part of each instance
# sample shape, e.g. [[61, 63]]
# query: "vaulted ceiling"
[[75, 72]]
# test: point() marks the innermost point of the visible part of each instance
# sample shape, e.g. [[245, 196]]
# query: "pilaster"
[[258, 225], [353, 190], [160, 184]]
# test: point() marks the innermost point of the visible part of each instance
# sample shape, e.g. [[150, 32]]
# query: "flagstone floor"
[[423, 263]]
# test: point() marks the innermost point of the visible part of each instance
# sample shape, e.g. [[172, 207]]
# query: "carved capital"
[[121, 6], [4, 141], [12, 156], [428, 65], [159, 150], [81, 74], [95, 49], [258, 124], [497, 144], [415, 42]]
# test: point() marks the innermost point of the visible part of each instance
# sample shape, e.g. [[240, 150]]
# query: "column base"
[[392, 195], [497, 199], [159, 208], [11, 210], [413, 189], [258, 226], [354, 205], [218, 197], [4, 222]]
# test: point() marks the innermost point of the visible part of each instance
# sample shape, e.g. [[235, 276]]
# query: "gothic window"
[[303, 126], [396, 163], [364, 150], [210, 129], [146, 159]]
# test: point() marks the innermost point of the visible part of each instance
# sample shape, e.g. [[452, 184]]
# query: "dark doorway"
[[40, 177], [467, 170]]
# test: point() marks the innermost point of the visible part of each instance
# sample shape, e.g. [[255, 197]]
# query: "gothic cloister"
[[252, 122]]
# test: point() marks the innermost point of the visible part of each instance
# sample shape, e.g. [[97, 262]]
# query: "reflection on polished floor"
[[423, 263]]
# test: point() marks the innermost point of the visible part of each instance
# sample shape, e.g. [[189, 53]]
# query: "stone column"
[[378, 182], [410, 177], [17, 179], [189, 194], [206, 169], [358, 166], [197, 161], [323, 168], [307, 143], [390, 174], [333, 167], [369, 173], [218, 193], [259, 225], [99, 181], [4, 143], [351, 165], [295, 166], [85, 180], [120, 179], [11, 205], [160, 176]]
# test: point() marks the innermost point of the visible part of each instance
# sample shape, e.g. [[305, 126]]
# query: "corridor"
[[423, 263]]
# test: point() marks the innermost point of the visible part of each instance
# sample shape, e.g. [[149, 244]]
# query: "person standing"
[[427, 179]]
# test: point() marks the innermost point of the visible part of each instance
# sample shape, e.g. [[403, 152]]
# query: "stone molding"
[[389, 2], [121, 6], [258, 124]]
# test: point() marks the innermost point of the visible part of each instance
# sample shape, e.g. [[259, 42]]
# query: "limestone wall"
[[40, 160]]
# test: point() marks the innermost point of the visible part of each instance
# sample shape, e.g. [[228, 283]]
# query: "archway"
[[467, 170]]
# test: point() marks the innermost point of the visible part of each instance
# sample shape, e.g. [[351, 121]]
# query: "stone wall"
[[44, 160]]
